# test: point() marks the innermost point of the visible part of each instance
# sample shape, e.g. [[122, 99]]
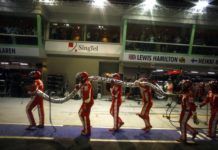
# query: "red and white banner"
[[170, 59], [82, 48]]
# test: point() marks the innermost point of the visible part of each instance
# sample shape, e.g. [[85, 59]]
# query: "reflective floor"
[[164, 133], [13, 111]]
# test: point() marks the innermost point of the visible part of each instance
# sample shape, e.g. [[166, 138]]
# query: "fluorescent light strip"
[[4, 63], [211, 73]]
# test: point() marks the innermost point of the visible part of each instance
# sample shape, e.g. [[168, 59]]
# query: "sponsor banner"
[[80, 48], [19, 51], [171, 59]]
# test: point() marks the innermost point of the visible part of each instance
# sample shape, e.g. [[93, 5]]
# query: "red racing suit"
[[188, 108], [212, 98], [85, 109], [116, 93], [147, 104], [36, 101]]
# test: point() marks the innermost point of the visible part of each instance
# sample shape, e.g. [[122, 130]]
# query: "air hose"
[[50, 112]]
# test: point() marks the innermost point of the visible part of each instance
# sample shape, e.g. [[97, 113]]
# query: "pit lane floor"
[[66, 134]]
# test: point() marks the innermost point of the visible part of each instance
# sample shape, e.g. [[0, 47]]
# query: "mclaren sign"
[[7, 50]]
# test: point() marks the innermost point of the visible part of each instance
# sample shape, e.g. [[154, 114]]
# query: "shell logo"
[[182, 60]]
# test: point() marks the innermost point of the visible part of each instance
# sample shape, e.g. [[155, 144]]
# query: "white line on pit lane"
[[91, 140]]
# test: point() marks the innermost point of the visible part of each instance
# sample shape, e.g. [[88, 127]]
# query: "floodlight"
[[200, 7], [148, 4], [201, 4], [99, 3], [47, 2]]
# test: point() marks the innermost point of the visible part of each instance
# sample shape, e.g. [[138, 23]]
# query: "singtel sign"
[[75, 47], [88, 48]]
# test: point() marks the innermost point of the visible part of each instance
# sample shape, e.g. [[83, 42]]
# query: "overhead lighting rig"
[[47, 2], [148, 4], [200, 7], [99, 3]]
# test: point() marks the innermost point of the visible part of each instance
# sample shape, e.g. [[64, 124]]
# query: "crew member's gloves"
[[195, 118], [77, 86], [199, 105]]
